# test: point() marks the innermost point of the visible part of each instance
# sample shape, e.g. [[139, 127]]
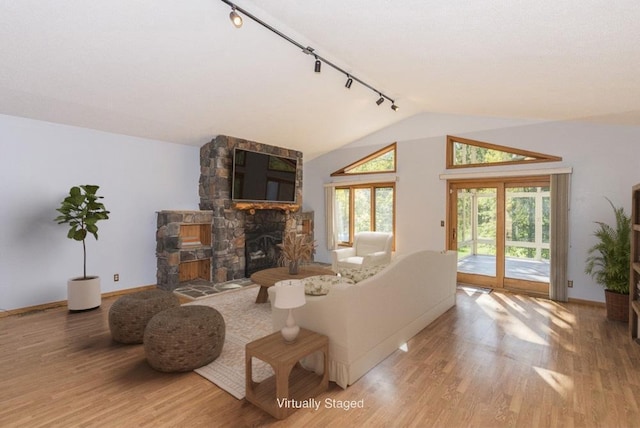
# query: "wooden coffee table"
[[268, 277]]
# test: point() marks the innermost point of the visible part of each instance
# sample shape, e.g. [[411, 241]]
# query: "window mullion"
[[352, 216], [372, 208]]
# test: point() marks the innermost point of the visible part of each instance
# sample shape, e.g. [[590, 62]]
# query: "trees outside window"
[[362, 208]]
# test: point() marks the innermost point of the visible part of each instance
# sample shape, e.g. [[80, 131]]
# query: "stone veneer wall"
[[228, 227], [169, 247]]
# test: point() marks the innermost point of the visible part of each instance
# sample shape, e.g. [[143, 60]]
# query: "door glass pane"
[[362, 210], [476, 233], [384, 209], [527, 233], [342, 215]]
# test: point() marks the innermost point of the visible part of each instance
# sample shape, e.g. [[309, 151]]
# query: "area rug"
[[245, 322], [199, 288]]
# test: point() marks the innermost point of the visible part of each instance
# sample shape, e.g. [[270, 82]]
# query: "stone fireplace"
[[242, 235]]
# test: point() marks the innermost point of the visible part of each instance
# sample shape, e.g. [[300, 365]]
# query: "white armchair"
[[369, 248]]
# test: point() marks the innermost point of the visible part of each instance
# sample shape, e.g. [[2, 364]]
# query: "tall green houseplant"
[[608, 263], [82, 210]]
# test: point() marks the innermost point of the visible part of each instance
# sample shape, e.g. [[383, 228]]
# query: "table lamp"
[[289, 295]]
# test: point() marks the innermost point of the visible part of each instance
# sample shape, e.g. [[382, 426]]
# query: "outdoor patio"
[[532, 270]]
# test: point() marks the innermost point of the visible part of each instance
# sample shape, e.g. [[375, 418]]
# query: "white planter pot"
[[83, 294]]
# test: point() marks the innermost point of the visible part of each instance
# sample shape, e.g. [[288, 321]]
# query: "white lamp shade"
[[289, 294]]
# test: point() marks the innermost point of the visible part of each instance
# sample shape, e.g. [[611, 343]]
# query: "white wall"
[[39, 162], [605, 161]]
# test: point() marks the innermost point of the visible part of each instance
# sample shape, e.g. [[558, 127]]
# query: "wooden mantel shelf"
[[253, 206]]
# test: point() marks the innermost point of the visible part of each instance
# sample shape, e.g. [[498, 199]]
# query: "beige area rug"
[[245, 322]]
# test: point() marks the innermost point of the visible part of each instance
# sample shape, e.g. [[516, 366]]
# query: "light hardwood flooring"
[[493, 360]]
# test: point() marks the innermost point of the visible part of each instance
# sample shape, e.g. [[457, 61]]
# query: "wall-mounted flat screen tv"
[[263, 177]]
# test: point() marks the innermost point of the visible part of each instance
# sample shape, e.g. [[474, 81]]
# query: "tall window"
[[363, 207]]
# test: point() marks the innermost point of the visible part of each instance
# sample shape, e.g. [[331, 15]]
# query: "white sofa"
[[369, 320]]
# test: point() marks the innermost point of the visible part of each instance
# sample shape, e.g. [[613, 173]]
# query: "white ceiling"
[[179, 71]]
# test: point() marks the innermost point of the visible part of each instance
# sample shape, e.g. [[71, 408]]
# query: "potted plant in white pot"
[[608, 262], [82, 210]]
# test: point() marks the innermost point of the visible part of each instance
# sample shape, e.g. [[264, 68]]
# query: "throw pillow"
[[361, 274], [320, 285]]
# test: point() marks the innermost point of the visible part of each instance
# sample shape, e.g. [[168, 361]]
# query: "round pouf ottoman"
[[184, 338], [129, 315]]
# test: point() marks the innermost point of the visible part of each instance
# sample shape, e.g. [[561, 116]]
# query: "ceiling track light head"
[[318, 65], [394, 107], [349, 82], [235, 18], [380, 100]]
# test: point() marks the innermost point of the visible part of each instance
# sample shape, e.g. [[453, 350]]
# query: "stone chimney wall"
[[228, 227]]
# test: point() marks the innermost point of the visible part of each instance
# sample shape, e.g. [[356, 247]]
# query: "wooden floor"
[[493, 360]]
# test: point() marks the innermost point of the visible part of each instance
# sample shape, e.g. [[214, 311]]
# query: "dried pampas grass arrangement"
[[296, 248]]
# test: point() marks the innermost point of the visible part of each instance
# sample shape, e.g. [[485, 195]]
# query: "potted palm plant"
[[82, 210], [608, 263]]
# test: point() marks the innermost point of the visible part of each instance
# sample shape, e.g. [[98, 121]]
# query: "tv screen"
[[263, 177]]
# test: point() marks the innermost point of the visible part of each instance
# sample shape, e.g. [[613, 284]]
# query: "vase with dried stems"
[[296, 249]]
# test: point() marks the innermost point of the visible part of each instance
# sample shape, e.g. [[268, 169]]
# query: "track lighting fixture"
[[349, 82], [236, 19]]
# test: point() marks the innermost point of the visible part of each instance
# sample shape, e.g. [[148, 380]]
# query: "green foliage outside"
[[521, 221], [384, 162], [362, 210], [342, 214], [486, 218], [521, 214], [384, 209], [363, 216], [466, 154]]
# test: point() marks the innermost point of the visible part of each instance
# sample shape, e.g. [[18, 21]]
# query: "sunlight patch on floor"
[[509, 323], [514, 305], [561, 383], [468, 291]]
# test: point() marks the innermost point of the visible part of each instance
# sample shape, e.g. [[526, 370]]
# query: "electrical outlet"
[[570, 284], [116, 277]]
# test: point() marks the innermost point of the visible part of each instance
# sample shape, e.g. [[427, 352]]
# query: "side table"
[[273, 394]]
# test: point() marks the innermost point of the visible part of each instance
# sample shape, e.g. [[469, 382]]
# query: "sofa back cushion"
[[372, 242]]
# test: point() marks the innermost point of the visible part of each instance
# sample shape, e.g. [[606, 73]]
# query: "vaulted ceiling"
[[179, 71]]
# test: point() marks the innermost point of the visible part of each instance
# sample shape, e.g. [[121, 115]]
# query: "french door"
[[500, 229]]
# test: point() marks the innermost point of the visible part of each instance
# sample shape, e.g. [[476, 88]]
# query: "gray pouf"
[[184, 338], [129, 315]]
